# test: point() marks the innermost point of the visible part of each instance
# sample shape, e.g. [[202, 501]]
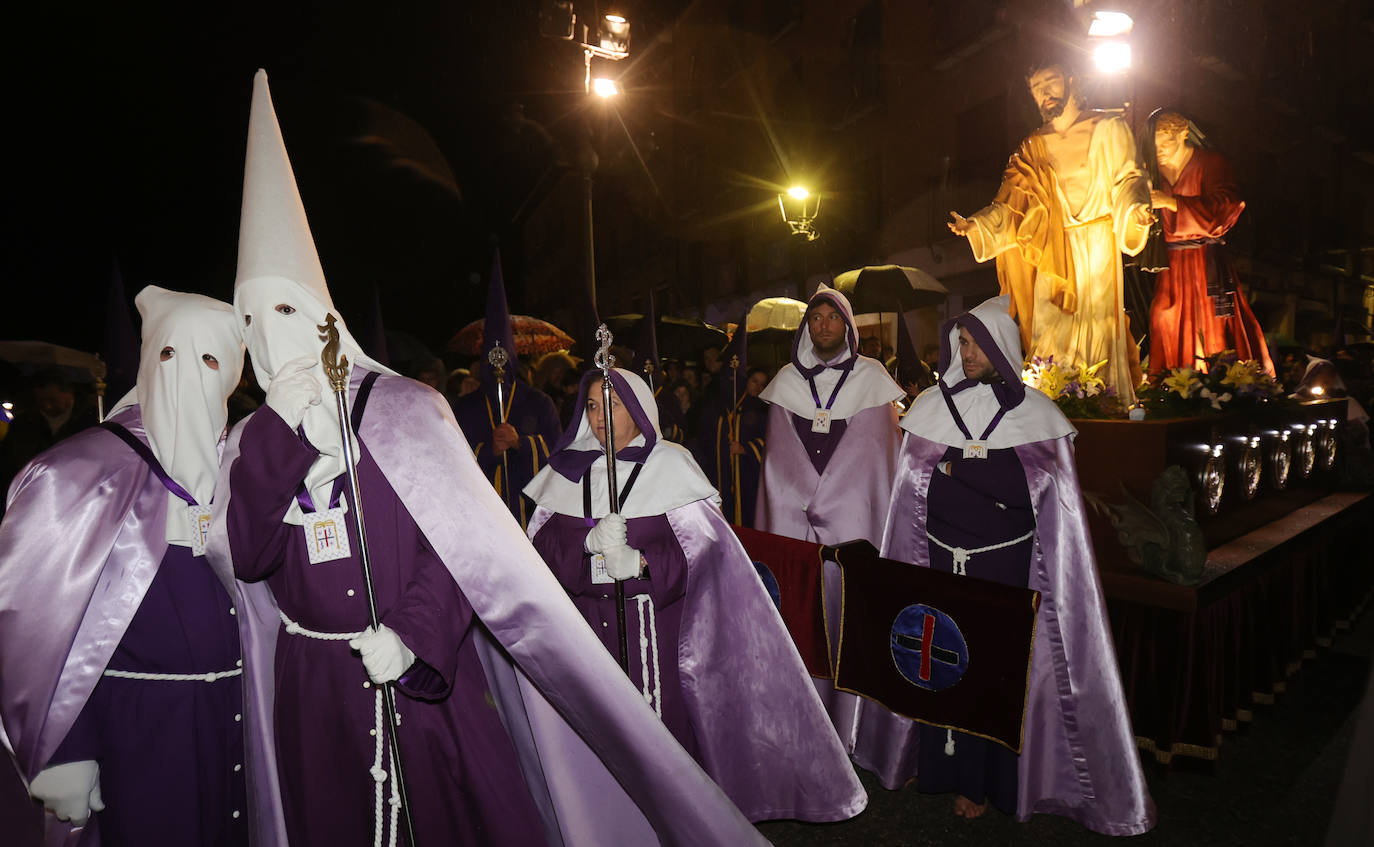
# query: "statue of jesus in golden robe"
[[1072, 200]]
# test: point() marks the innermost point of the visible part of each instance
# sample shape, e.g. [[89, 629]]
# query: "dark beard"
[[1050, 112]]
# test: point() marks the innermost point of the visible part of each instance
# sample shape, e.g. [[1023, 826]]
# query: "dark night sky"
[[127, 126]]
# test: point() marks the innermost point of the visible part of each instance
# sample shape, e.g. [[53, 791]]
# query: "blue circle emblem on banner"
[[770, 584], [928, 648]]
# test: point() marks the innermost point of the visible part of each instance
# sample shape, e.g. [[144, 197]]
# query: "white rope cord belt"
[[648, 643], [378, 773], [212, 676], [962, 554]]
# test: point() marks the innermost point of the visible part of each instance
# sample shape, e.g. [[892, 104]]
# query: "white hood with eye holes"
[[183, 399], [280, 294]]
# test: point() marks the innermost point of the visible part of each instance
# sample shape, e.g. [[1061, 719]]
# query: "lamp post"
[[558, 19], [799, 207]]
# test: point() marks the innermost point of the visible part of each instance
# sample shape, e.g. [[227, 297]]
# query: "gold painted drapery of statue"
[[1059, 258]]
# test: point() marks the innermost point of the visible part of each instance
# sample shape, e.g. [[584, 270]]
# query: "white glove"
[[70, 791], [609, 532], [294, 390], [385, 656], [622, 562]]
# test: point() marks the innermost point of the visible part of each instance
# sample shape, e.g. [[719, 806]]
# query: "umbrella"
[[678, 337], [781, 313], [876, 289], [533, 337], [33, 356], [771, 324]]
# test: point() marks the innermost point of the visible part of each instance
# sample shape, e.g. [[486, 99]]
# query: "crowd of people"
[[506, 604]]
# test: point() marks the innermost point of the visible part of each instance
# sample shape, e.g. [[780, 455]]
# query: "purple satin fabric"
[[109, 511], [845, 503], [1078, 757], [761, 730], [580, 729]]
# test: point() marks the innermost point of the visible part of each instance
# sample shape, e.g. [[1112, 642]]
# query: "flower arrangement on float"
[[1227, 383], [1076, 389]]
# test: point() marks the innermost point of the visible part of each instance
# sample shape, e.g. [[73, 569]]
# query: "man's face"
[[975, 361], [827, 328], [871, 347], [758, 380], [1050, 90], [53, 401], [711, 359], [1169, 143]]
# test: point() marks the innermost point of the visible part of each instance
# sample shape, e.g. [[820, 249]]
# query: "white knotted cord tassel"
[[949, 742], [648, 645]]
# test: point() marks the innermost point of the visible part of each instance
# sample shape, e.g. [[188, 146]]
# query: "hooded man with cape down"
[[709, 649], [516, 727], [827, 474], [120, 662], [987, 487]]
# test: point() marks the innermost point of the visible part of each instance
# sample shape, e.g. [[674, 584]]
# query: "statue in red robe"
[[1198, 310]]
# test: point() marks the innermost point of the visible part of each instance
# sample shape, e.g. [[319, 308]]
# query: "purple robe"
[[116, 595], [532, 414], [1078, 756], [735, 477], [462, 777], [848, 500], [734, 691], [601, 767]]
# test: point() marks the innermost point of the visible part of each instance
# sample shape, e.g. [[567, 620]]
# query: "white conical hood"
[[274, 235], [280, 295]]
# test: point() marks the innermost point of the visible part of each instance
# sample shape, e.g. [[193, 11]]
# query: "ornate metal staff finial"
[[603, 359], [335, 365], [498, 358]]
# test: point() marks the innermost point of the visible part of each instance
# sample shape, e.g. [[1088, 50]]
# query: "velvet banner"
[[946, 650], [794, 568]]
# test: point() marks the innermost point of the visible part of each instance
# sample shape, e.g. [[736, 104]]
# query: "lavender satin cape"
[[1078, 757], [82, 539], [845, 503], [761, 731], [579, 727]]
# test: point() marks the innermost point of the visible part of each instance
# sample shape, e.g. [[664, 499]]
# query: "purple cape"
[[760, 730], [580, 728], [83, 593], [845, 503], [1078, 757]]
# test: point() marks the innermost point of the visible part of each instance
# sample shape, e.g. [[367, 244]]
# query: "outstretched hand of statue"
[[1142, 215], [960, 225]]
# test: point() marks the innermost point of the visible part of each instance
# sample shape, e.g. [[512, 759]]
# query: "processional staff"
[[605, 361], [497, 358], [336, 369]]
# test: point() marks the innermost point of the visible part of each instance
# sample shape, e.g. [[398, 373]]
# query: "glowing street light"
[[605, 88], [1112, 57], [799, 208], [1108, 38], [1110, 25]]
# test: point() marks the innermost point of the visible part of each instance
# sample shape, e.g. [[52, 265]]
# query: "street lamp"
[[1108, 40], [604, 87], [799, 208]]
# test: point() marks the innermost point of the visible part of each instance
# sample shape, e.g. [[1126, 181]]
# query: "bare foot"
[[966, 808]]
